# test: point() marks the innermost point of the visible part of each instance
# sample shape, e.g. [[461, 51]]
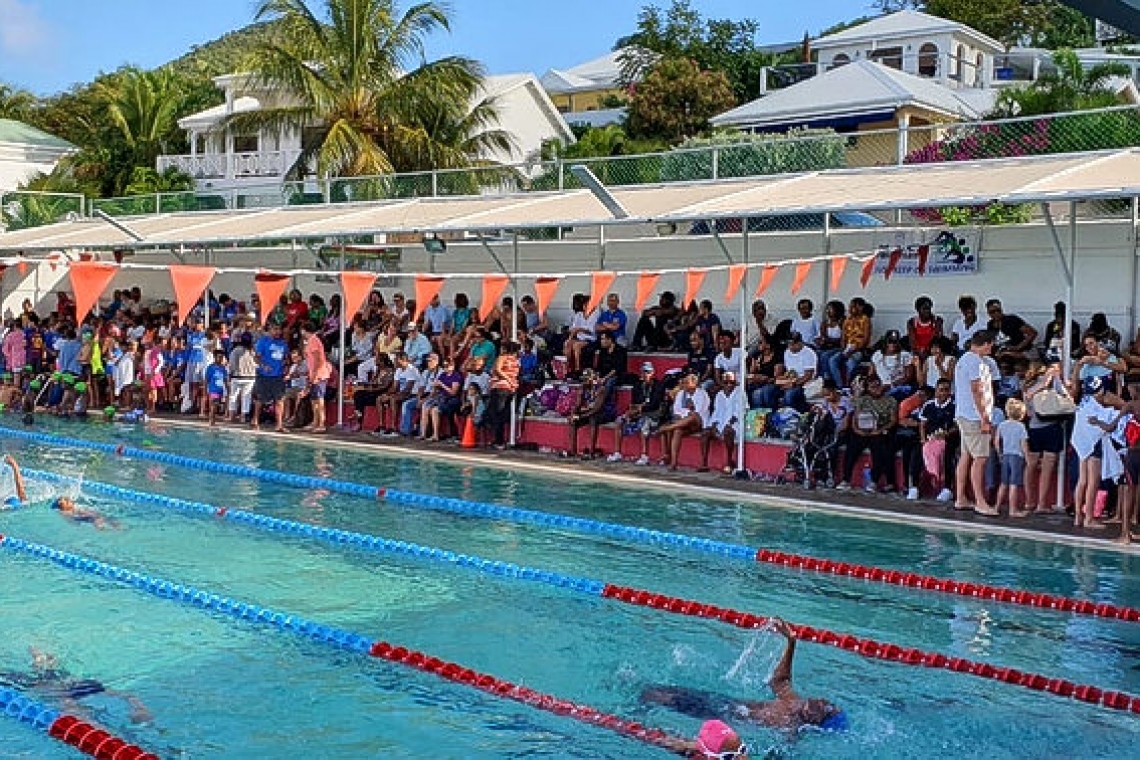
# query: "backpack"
[[756, 424], [1132, 432]]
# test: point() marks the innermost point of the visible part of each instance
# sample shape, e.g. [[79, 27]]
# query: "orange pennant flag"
[[803, 269], [892, 263], [89, 279], [189, 283], [427, 288], [735, 278], [270, 287], [544, 290], [599, 285], [766, 276], [694, 278], [493, 287], [646, 284], [354, 288], [22, 267], [838, 267], [868, 270]]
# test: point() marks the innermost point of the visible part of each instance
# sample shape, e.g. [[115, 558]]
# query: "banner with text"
[[947, 253]]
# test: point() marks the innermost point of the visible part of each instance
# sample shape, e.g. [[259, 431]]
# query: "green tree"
[[1071, 87], [145, 180], [358, 88], [15, 103], [1044, 23], [676, 101], [143, 106]]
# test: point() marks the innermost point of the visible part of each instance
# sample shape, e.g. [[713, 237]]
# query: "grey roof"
[[862, 87], [18, 132], [906, 23]]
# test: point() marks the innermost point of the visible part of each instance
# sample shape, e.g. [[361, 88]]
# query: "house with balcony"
[[243, 167]]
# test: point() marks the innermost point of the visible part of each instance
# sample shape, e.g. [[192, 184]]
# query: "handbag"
[[1052, 404]]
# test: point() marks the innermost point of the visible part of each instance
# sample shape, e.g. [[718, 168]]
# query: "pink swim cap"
[[713, 735]]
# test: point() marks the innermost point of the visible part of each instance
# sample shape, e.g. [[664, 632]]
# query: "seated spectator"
[[763, 369], [481, 346], [856, 341], [534, 320], [707, 322], [1013, 336], [361, 347], [724, 423], [806, 323], [938, 435], [611, 362], [800, 364], [580, 333], [1105, 334], [650, 334], [416, 346], [923, 328], [389, 342], [437, 324], [760, 319], [871, 427], [939, 363], [1097, 360], [1055, 336], [647, 409], [444, 398], [415, 403], [399, 313], [593, 409], [729, 357], [690, 416], [835, 403], [463, 319], [612, 321], [680, 328], [908, 440], [894, 366], [700, 361], [530, 366], [966, 325], [405, 380], [831, 337]]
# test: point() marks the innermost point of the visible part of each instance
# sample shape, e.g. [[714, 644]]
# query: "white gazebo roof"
[[204, 120], [903, 24]]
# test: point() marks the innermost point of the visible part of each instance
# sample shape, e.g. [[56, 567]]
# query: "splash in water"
[[753, 668]]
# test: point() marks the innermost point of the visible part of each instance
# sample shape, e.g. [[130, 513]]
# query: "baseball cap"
[[648, 367]]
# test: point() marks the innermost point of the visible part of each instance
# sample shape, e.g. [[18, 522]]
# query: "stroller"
[[814, 445]]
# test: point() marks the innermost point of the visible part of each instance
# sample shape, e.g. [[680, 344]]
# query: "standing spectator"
[[153, 380], [870, 427], [1046, 437], [1055, 335], [650, 333], [923, 328], [966, 325], [269, 385], [806, 323], [611, 321], [974, 402], [15, 349], [690, 416], [1012, 443], [856, 340], [243, 373], [643, 416], [938, 436], [1090, 440], [724, 423], [476, 386], [800, 364], [319, 372], [1105, 334], [196, 367], [504, 386], [831, 337], [1013, 336], [1097, 360]]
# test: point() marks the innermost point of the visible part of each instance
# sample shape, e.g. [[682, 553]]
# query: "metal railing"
[[231, 165], [20, 209]]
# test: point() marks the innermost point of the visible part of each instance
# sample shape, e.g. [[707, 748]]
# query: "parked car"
[[788, 223]]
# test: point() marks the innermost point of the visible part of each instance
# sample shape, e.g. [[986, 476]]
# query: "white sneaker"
[[912, 494], [945, 494], [870, 487], [614, 457], [843, 486], [642, 460]]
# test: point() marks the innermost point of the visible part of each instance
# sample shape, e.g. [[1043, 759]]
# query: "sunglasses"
[[731, 754]]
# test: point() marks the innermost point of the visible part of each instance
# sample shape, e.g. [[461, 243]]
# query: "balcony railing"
[[232, 165]]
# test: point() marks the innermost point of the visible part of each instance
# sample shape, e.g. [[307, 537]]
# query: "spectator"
[[443, 401], [764, 367], [729, 357], [894, 366], [361, 347], [870, 427], [908, 440], [375, 382], [404, 384], [217, 382], [831, 337], [923, 328], [296, 381], [504, 386], [389, 342], [724, 423], [269, 386], [1013, 336], [938, 435], [700, 361], [437, 324], [1046, 437], [690, 416], [1090, 440], [463, 319], [966, 325], [856, 340], [760, 319], [800, 364], [591, 410], [707, 322], [399, 314], [535, 321], [612, 321], [806, 323], [319, 373], [680, 328], [644, 414], [153, 380], [1055, 336], [611, 362], [650, 334], [243, 373], [1097, 361], [415, 403], [1012, 444], [416, 346], [580, 333], [482, 346], [476, 386], [939, 363], [1105, 334], [974, 405]]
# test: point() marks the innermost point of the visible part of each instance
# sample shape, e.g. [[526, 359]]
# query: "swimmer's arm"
[[17, 476], [781, 681], [139, 711]]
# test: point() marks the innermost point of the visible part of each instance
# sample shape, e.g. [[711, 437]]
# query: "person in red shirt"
[[296, 311]]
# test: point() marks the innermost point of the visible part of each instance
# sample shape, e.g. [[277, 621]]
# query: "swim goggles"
[[732, 754]]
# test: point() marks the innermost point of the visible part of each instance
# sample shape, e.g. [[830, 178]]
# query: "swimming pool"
[[218, 686]]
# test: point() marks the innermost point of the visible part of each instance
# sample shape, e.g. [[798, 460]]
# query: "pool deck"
[[1055, 528]]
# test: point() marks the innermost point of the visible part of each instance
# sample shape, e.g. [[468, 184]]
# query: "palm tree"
[[143, 105], [15, 103], [1071, 87], [358, 89]]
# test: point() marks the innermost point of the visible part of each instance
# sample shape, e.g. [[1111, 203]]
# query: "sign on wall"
[[947, 253]]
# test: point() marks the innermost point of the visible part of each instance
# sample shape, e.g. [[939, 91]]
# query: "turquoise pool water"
[[219, 687]]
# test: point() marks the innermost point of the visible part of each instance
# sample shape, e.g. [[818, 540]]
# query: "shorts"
[[1012, 470], [269, 390], [974, 441], [1132, 465], [317, 390], [1046, 440], [214, 396], [639, 426], [195, 372]]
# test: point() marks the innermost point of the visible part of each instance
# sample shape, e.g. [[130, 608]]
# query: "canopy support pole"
[[515, 331], [1068, 264], [742, 380], [340, 350]]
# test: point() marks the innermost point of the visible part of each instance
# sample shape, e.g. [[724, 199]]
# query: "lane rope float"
[[1001, 594], [85, 737], [342, 639], [868, 648]]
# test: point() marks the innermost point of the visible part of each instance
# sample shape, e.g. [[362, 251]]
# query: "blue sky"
[[48, 45]]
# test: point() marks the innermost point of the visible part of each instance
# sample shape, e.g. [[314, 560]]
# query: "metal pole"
[[340, 351], [514, 329], [742, 381]]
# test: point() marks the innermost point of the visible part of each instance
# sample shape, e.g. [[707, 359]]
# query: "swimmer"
[[72, 511], [715, 740], [17, 496], [49, 681], [787, 712]]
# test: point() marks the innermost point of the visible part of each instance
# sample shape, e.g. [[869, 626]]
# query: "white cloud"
[[22, 31]]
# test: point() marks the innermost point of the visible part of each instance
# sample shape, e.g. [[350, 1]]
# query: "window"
[[840, 60], [245, 144], [928, 60], [960, 64], [891, 56], [979, 66]]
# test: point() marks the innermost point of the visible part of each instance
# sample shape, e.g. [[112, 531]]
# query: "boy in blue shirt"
[[217, 382], [269, 386]]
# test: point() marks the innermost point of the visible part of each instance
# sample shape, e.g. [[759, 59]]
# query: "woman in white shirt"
[[1090, 439], [581, 333]]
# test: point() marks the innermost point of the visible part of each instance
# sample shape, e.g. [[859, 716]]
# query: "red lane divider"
[[94, 741], [507, 690], [872, 649], [950, 586]]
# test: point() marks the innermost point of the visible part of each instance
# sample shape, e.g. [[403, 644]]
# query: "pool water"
[[221, 687]]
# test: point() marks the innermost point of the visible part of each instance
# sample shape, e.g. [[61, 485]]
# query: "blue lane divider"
[[192, 596], [27, 710], [417, 500], [354, 539]]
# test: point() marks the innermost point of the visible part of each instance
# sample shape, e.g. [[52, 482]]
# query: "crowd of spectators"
[[979, 413]]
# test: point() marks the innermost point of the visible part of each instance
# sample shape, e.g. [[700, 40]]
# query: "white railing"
[[232, 165]]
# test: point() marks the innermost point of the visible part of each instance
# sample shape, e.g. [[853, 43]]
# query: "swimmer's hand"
[[10, 460], [781, 626]]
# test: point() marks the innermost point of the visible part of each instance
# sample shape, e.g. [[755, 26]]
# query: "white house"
[[26, 151], [583, 92], [221, 160]]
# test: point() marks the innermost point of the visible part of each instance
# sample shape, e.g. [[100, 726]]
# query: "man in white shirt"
[[806, 323], [416, 346], [404, 383], [800, 364], [974, 402], [690, 416], [728, 357], [723, 423], [437, 322]]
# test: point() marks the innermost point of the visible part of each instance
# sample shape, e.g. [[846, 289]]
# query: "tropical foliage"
[[749, 155], [1071, 87], [15, 104], [356, 86], [676, 100], [1047, 24]]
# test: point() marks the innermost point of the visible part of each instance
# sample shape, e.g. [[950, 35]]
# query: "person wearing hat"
[[644, 414], [1095, 420], [78, 405], [716, 739]]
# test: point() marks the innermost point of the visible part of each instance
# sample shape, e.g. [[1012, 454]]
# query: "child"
[[153, 379], [124, 374], [217, 378], [1011, 441]]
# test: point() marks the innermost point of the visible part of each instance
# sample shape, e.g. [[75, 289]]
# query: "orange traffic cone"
[[468, 441]]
